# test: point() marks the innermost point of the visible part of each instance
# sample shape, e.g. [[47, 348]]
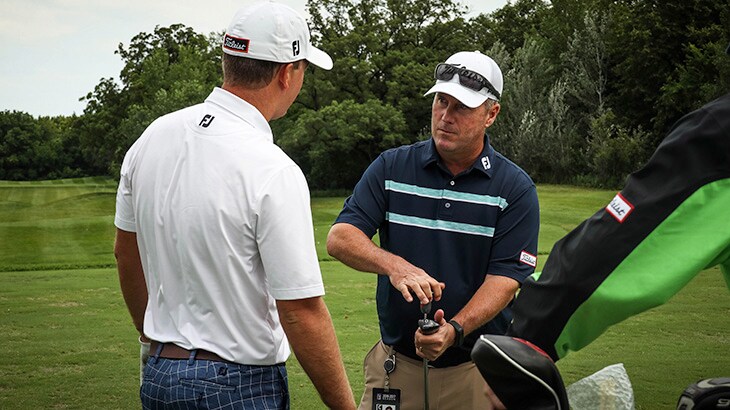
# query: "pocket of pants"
[[206, 385], [373, 372]]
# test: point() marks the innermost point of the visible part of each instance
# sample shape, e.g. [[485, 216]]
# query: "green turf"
[[68, 343], [55, 224]]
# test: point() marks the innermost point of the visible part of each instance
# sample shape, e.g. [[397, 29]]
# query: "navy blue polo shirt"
[[456, 228]]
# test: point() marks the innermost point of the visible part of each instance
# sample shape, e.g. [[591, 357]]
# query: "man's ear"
[[493, 111], [284, 75]]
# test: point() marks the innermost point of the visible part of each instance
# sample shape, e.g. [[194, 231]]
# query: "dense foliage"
[[591, 87]]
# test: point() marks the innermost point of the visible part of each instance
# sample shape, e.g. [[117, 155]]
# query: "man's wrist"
[[459, 339]]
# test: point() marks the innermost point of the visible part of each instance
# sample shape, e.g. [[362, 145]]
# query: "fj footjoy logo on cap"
[[295, 48], [528, 259], [236, 44], [619, 208]]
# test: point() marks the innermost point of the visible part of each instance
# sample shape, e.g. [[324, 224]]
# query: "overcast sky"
[[52, 52]]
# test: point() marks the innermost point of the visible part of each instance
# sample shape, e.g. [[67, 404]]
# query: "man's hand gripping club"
[[431, 345]]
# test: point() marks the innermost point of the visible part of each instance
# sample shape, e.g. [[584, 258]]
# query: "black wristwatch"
[[459, 333]]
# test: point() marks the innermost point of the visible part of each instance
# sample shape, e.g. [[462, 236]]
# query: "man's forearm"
[[352, 247], [492, 297], [308, 326], [131, 276]]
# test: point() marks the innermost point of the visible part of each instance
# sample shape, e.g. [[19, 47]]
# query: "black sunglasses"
[[467, 78]]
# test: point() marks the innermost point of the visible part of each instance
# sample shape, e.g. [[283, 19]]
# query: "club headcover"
[[521, 375], [707, 394]]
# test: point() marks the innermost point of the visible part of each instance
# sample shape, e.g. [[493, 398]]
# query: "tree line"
[[591, 87]]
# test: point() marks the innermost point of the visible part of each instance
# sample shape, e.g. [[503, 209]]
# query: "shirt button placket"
[[445, 211], [448, 204]]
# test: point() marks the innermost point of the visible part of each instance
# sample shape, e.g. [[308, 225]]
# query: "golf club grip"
[[428, 326]]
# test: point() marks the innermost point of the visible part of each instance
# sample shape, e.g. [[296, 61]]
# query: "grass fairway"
[[63, 223], [68, 342]]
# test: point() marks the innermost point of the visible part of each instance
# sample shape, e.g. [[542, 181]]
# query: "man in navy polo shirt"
[[458, 225]]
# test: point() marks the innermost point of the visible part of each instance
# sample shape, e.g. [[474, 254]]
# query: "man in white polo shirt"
[[215, 245]]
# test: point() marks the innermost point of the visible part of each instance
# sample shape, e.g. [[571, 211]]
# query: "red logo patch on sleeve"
[[619, 208], [528, 259]]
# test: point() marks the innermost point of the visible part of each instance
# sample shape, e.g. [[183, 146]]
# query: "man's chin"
[[445, 141]]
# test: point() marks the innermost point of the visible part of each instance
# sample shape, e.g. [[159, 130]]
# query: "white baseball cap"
[[272, 32], [475, 62]]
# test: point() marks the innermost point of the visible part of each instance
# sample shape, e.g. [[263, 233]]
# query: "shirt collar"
[[484, 163], [241, 109]]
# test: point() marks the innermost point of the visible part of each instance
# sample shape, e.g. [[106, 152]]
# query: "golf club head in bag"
[[520, 375], [707, 394]]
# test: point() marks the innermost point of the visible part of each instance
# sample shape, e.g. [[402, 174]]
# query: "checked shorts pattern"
[[205, 384]]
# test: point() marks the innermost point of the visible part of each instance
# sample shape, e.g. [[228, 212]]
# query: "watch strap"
[[459, 333]]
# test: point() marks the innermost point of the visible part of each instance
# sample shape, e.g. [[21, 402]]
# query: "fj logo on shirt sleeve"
[[528, 259], [619, 207]]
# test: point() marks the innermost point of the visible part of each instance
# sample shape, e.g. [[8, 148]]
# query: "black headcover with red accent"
[[521, 375]]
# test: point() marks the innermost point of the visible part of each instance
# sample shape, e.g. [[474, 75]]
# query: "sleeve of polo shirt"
[[514, 249], [124, 217], [365, 208], [285, 237]]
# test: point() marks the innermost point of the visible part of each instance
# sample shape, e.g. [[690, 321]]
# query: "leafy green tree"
[[585, 75], [519, 131], [166, 70], [369, 39], [335, 144], [614, 151], [96, 128], [654, 43], [30, 148], [563, 19], [153, 60], [74, 163], [511, 25], [586, 62], [703, 76]]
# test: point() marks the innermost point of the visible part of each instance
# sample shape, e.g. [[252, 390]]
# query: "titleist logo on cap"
[[236, 44]]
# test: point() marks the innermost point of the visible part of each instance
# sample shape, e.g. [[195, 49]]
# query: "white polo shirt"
[[224, 228]]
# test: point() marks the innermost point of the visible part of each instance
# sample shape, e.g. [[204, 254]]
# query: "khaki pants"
[[459, 387]]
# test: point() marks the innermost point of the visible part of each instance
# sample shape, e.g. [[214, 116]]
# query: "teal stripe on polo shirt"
[[438, 224], [394, 186]]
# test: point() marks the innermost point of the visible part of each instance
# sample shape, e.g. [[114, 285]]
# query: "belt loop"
[[158, 351], [191, 358]]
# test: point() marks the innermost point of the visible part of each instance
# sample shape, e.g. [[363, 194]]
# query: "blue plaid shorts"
[[206, 384]]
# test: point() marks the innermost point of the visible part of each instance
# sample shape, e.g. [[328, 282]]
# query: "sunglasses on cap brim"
[[469, 79]]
